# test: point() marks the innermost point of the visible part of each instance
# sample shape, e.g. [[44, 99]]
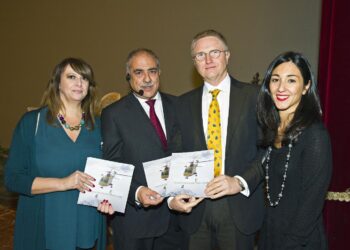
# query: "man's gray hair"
[[140, 51]]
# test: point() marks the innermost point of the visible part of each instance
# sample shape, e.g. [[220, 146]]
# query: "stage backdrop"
[[36, 35], [334, 84]]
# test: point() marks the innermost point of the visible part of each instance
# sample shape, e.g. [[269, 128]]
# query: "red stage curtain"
[[334, 86]]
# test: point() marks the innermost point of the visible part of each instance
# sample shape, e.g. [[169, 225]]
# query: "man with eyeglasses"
[[220, 115]]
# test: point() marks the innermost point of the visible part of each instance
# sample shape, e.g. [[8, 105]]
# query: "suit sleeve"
[[113, 146], [18, 177], [254, 174], [112, 141], [317, 167], [176, 139]]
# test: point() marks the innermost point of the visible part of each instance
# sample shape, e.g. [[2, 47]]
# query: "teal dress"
[[52, 220]]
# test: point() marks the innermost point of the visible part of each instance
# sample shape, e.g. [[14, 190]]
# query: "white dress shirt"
[[158, 107], [224, 103]]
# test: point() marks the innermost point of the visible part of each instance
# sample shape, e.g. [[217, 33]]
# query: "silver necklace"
[[280, 195]]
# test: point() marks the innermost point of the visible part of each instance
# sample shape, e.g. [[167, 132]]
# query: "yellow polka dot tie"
[[214, 131]]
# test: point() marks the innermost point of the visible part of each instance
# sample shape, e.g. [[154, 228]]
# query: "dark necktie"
[[156, 124]]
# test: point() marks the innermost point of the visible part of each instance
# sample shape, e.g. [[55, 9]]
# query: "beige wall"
[[36, 35]]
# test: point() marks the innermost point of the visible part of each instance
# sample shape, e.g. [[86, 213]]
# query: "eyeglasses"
[[215, 53]]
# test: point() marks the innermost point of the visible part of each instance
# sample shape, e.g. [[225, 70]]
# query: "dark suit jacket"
[[241, 148], [129, 136]]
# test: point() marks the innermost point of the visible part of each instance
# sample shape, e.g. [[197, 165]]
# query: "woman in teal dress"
[[46, 165]]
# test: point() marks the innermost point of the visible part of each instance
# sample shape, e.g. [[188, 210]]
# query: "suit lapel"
[[235, 109], [168, 115], [139, 116], [196, 108]]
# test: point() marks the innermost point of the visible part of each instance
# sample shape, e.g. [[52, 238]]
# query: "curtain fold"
[[334, 87]]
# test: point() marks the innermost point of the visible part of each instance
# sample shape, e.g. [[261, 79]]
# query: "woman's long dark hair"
[[307, 112], [51, 97]]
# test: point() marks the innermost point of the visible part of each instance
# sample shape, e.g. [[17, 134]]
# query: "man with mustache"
[[138, 128]]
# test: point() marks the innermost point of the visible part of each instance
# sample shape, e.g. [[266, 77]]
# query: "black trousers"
[[217, 230], [173, 239]]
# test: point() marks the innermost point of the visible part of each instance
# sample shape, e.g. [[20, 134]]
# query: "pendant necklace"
[[67, 126], [267, 177], [286, 165]]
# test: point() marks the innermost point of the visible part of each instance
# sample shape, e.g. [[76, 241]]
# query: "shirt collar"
[[143, 100], [223, 86]]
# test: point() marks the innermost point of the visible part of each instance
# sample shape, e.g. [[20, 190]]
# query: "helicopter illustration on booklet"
[[187, 172], [164, 173], [113, 181], [107, 178], [190, 172], [191, 168]]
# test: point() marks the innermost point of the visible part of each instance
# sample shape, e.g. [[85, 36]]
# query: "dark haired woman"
[[46, 162], [296, 157]]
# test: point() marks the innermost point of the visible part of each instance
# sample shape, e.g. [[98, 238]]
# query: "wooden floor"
[[7, 221], [8, 203]]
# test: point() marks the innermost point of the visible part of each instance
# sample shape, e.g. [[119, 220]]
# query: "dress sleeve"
[[316, 164], [18, 168]]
